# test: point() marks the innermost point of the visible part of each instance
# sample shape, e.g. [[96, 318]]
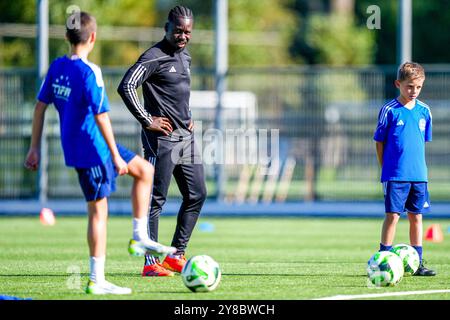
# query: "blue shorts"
[[410, 197], [100, 181]]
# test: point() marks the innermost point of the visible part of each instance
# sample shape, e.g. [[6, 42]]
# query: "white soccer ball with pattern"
[[201, 274], [409, 256], [385, 269]]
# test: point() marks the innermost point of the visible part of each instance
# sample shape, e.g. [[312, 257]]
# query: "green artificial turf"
[[260, 258]]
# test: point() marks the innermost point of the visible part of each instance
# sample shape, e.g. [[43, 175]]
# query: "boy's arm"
[[104, 124], [380, 151], [34, 153], [95, 94]]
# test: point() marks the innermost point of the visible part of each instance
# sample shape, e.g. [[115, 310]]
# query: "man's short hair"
[[179, 12], [80, 31], [410, 71]]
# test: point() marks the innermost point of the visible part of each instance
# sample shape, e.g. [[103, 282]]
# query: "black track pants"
[[183, 161]]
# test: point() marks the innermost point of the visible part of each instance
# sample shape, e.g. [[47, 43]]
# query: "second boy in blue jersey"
[[404, 126]]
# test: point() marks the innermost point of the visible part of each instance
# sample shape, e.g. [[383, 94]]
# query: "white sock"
[[140, 228], [97, 269]]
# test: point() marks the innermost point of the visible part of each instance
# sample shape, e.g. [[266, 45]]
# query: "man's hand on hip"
[[161, 124]]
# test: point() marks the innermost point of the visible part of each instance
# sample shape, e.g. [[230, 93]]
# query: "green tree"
[[18, 11], [20, 52], [264, 16], [338, 41], [245, 18], [13, 51], [430, 22], [330, 38], [108, 13]]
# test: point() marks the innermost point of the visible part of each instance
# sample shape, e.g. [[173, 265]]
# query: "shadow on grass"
[[293, 275], [137, 274]]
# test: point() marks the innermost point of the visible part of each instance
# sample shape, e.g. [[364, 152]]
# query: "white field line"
[[380, 295]]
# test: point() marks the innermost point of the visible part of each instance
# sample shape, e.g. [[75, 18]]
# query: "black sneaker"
[[425, 272]]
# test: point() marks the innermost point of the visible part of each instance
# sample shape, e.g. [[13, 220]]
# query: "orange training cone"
[[434, 233], [47, 217]]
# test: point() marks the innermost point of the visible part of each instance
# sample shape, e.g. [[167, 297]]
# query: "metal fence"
[[323, 118]]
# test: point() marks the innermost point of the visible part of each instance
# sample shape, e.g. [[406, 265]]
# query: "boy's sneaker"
[[174, 263], [140, 248], [156, 270], [105, 287], [422, 271]]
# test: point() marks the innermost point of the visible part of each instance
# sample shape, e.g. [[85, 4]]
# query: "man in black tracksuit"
[[163, 71]]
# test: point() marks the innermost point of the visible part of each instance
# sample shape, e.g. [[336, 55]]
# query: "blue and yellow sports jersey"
[[75, 86], [404, 133]]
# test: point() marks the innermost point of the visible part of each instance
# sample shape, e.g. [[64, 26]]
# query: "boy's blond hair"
[[410, 71]]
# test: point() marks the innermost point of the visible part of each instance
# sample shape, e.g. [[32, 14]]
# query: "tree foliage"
[[21, 52], [337, 41], [430, 23], [332, 38], [304, 31], [251, 17]]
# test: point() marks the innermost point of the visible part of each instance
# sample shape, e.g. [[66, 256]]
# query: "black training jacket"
[[165, 78]]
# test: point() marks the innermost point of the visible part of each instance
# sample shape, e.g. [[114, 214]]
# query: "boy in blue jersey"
[[75, 86], [404, 125]]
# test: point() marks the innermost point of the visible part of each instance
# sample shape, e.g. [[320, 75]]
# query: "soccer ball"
[[385, 269], [201, 274], [409, 256]]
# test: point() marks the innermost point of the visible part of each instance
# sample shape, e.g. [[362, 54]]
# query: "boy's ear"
[[166, 26], [93, 36], [397, 83]]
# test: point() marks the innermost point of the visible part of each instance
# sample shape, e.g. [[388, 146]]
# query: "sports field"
[[260, 258]]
